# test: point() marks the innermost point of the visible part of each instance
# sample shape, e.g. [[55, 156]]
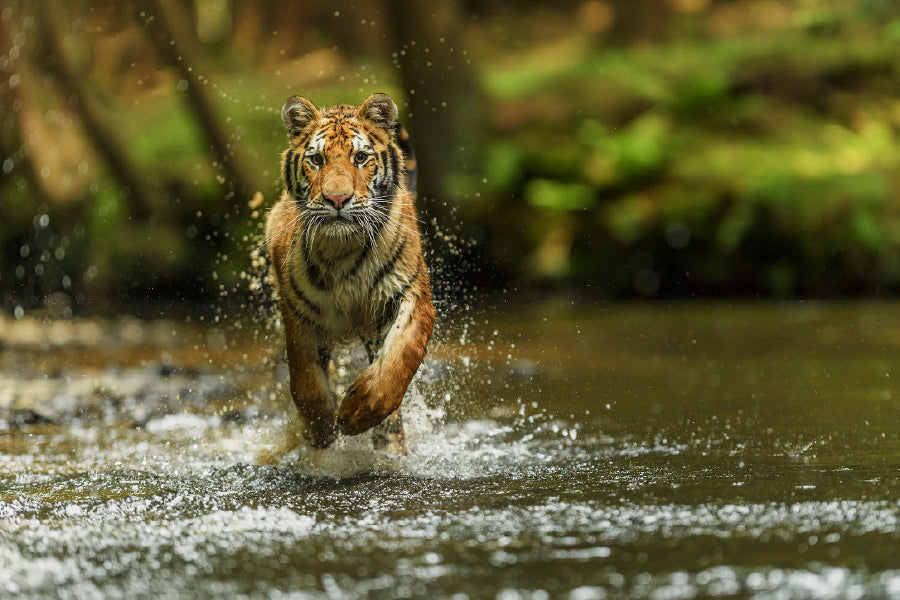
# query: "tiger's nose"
[[337, 201]]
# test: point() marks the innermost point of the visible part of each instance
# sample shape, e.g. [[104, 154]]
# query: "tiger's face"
[[343, 167]]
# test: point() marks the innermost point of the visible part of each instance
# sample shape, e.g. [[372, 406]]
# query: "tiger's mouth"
[[341, 225], [340, 218], [351, 220]]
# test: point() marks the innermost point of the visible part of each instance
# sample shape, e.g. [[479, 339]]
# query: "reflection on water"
[[623, 451]]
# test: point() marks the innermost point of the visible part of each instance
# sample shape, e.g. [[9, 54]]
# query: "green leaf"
[[553, 195]]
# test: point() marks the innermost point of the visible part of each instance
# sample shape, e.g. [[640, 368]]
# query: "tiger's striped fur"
[[347, 254]]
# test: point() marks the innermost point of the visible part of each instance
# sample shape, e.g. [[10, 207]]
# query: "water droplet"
[[678, 235]]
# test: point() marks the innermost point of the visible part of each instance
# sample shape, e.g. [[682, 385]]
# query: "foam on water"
[[114, 547], [182, 507]]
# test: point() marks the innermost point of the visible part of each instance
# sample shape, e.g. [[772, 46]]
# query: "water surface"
[[558, 451]]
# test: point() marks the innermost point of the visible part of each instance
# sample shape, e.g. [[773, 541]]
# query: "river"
[[556, 450]]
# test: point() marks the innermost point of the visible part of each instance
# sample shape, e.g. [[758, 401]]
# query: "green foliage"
[[757, 162], [556, 196], [164, 136], [636, 152], [772, 153]]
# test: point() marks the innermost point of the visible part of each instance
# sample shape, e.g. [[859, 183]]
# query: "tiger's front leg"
[[307, 364], [387, 435], [379, 389]]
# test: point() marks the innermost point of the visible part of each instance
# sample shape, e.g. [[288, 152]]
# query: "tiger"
[[347, 253]]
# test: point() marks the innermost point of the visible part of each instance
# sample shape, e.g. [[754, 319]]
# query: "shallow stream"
[[555, 451]]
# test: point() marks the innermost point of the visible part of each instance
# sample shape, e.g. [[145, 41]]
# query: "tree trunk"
[[443, 100], [74, 92], [12, 147], [168, 29]]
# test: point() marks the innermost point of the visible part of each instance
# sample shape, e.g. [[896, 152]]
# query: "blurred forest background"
[[623, 148]]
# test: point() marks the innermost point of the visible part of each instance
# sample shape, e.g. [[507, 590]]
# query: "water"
[[661, 451]]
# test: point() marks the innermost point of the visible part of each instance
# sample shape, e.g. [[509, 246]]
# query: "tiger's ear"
[[297, 114], [380, 109]]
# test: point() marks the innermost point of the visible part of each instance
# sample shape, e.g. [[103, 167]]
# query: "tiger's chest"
[[345, 297]]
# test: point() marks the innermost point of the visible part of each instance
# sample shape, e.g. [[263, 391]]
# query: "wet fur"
[[353, 272]]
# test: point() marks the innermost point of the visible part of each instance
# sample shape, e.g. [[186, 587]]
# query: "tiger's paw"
[[363, 407]]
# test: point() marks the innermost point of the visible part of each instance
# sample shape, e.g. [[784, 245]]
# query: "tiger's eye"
[[361, 157], [317, 160]]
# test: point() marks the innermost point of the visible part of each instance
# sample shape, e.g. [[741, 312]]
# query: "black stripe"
[[360, 259], [300, 316], [301, 296], [313, 272], [296, 171], [302, 191], [386, 187], [395, 174], [288, 175], [384, 161], [388, 267], [380, 173], [300, 143], [395, 299], [393, 305]]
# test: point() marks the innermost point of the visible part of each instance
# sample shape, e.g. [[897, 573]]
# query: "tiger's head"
[[343, 166]]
